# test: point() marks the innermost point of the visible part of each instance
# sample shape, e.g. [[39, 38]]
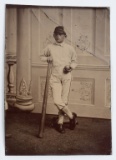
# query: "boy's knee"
[[60, 105]]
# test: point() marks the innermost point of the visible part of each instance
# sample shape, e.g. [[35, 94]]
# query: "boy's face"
[[59, 37]]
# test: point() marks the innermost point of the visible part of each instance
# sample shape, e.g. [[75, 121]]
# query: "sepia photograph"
[[57, 82]]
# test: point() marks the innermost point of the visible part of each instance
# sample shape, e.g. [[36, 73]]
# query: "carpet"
[[91, 136]]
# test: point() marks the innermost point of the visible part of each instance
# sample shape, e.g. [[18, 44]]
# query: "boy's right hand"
[[49, 59], [67, 69]]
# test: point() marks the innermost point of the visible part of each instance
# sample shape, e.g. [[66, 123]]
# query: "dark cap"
[[60, 30]]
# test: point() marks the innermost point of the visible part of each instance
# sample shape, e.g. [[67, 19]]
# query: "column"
[[23, 78]]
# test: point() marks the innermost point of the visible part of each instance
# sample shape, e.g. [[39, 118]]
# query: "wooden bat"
[[44, 105]]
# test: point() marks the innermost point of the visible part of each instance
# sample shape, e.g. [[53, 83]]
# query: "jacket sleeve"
[[45, 53], [73, 59]]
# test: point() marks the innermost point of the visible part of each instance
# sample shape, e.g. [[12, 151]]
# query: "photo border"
[[72, 3]]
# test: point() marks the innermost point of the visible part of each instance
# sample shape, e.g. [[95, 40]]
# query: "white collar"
[[59, 44]]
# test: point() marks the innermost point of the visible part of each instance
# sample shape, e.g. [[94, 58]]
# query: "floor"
[[90, 137]]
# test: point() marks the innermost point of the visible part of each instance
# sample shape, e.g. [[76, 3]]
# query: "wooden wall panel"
[[89, 95], [82, 91]]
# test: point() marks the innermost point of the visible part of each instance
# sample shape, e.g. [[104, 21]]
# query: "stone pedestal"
[[10, 54]]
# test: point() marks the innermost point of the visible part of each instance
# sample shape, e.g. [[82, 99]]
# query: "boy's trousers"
[[60, 85]]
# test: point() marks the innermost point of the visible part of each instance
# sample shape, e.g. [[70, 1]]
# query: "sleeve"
[[45, 53], [73, 59]]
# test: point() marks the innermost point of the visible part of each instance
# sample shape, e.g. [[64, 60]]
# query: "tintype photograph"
[[57, 81]]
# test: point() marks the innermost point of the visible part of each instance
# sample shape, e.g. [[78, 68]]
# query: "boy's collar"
[[60, 44]]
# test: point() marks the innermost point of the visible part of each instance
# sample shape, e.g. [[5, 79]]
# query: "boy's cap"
[[60, 30]]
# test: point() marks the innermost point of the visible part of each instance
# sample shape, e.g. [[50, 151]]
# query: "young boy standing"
[[64, 60]]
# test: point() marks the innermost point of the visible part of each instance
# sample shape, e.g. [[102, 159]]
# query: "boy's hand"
[[67, 69], [49, 59]]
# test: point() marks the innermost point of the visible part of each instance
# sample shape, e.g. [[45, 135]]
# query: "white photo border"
[[72, 3]]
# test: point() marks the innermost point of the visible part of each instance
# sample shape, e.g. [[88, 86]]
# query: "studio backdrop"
[[29, 29]]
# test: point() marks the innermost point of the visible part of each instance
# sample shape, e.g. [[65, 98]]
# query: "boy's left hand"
[[67, 69]]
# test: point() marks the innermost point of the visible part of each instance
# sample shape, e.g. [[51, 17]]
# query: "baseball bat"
[[44, 105]]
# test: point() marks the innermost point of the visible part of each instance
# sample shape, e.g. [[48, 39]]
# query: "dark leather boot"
[[73, 121], [60, 128]]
